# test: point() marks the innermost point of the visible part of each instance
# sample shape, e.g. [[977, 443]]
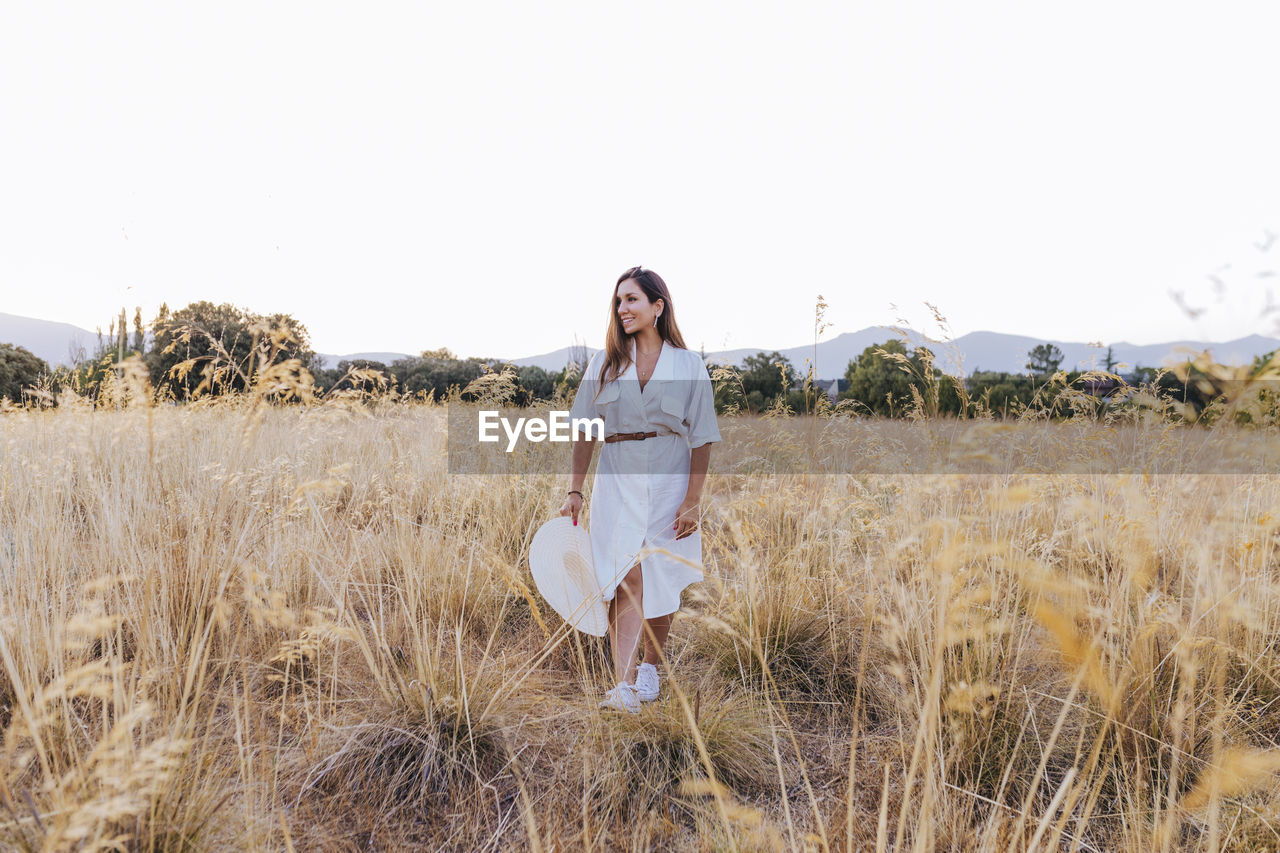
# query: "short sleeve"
[[584, 405], [701, 416]]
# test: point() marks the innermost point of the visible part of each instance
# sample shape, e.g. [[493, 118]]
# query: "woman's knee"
[[633, 582]]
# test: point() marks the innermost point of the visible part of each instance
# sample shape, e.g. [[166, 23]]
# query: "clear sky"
[[476, 174]]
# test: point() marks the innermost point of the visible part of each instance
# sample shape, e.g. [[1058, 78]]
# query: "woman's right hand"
[[572, 506]]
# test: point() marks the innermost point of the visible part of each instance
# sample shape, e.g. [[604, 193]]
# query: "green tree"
[[770, 374], [435, 372], [535, 384], [374, 376], [88, 372], [1000, 393], [121, 336], [139, 332], [1043, 359], [211, 348], [883, 383], [19, 368], [1196, 395], [567, 379]]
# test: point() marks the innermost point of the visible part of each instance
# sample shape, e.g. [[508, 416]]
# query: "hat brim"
[[564, 573]]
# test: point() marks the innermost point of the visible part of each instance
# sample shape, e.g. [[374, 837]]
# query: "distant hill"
[[996, 351], [57, 342], [331, 361], [974, 351], [556, 360]]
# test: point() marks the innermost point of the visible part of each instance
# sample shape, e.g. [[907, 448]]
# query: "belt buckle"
[[640, 436]]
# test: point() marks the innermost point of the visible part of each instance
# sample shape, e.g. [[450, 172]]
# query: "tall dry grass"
[[232, 625]]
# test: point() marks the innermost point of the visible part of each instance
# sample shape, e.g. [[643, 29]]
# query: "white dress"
[[639, 485]]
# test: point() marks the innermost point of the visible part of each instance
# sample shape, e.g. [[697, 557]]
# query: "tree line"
[[207, 349], [889, 380]]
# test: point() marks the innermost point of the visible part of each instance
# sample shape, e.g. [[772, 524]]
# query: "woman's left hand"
[[686, 518]]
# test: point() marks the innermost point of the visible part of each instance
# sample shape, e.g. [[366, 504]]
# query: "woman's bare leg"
[[626, 614], [658, 627]]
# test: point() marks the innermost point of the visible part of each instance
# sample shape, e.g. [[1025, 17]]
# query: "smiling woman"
[[657, 404]]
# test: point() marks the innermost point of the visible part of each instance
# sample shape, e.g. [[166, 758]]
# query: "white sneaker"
[[622, 698], [647, 682]]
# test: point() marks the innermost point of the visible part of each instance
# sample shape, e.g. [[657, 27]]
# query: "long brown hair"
[[617, 352]]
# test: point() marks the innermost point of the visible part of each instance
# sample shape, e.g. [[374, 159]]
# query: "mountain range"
[[974, 351], [60, 343], [56, 343]]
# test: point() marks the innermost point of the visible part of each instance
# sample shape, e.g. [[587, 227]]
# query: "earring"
[[655, 319]]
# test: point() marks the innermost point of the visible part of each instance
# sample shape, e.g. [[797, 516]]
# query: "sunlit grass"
[[236, 625]]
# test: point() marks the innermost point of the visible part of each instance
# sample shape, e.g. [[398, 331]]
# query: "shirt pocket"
[[608, 396], [673, 404]]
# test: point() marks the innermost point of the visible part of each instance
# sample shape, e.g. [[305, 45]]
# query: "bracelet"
[[578, 493]]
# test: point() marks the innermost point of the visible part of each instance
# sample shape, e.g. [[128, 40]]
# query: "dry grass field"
[[230, 625]]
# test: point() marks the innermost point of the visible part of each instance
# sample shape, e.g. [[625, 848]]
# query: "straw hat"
[[560, 559]]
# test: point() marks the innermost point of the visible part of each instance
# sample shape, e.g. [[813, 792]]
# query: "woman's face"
[[634, 308]]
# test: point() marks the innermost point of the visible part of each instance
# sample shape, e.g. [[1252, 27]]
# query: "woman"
[[659, 415]]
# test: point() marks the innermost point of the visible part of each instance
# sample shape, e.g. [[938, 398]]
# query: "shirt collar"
[[664, 370]]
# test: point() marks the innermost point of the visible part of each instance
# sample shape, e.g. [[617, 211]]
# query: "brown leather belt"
[[629, 436]]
